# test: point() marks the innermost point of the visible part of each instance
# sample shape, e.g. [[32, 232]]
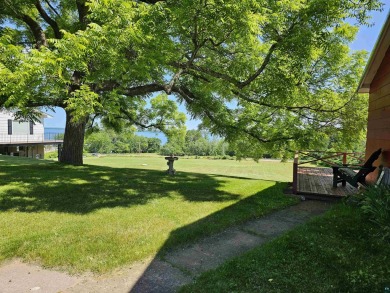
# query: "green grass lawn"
[[117, 210], [333, 253], [265, 169]]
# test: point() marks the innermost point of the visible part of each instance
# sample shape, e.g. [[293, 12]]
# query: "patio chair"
[[383, 176], [348, 174]]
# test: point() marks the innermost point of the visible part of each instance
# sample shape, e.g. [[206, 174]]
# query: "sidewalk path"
[[177, 268]]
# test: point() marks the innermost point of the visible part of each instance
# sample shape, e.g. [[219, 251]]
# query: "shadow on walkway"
[[171, 269]]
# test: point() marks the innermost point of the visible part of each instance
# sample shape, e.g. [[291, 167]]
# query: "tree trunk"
[[72, 149]]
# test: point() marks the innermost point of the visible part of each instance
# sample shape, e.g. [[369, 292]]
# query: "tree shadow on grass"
[[160, 276], [252, 207], [50, 186]]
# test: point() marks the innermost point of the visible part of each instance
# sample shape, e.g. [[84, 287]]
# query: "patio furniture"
[[383, 177], [344, 174]]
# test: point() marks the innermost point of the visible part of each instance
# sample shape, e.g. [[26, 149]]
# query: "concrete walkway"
[[175, 269]]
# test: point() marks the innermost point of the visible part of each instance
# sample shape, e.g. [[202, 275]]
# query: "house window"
[[9, 126], [31, 128]]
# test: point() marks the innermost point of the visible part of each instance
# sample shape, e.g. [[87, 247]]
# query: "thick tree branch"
[[129, 116], [52, 8], [151, 1], [217, 44], [208, 71], [53, 24], [290, 108], [168, 88], [144, 89], [226, 77], [38, 33], [223, 76], [261, 69], [83, 11], [36, 30], [190, 98]]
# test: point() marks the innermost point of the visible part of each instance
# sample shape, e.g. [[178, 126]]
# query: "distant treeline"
[[108, 141], [194, 143], [191, 143], [197, 143]]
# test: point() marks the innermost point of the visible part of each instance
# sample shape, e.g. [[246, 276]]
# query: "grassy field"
[[334, 253], [266, 169], [117, 210]]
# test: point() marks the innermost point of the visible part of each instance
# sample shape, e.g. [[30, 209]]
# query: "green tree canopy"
[[278, 73], [105, 140]]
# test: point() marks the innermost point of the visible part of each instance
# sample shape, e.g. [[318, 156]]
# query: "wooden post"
[[344, 159], [295, 172]]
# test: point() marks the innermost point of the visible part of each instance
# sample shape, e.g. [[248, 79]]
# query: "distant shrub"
[[51, 155], [375, 203], [227, 157]]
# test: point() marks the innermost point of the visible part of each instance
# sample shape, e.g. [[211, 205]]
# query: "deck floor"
[[319, 181]]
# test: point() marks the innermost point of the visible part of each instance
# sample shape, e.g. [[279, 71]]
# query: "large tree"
[[278, 73]]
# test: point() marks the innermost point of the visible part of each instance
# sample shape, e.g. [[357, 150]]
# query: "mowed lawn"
[[117, 210], [272, 170], [337, 252]]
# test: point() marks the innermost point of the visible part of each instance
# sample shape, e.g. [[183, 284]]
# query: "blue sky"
[[365, 40], [367, 36]]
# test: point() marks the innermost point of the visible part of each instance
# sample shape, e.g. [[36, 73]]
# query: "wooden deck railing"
[[325, 159]]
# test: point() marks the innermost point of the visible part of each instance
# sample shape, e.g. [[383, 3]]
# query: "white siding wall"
[[38, 135], [39, 128]]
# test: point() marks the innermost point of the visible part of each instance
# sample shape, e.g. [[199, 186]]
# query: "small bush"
[[51, 155], [375, 203]]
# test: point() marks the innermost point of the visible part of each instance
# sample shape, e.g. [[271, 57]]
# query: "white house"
[[23, 138]]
